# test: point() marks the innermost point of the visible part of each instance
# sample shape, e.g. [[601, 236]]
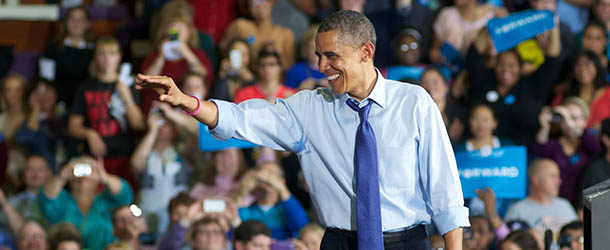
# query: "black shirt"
[[71, 68]]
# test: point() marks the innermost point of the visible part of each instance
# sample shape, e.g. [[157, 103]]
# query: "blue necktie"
[[368, 207]]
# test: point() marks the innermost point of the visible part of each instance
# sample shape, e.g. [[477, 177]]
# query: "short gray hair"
[[353, 26]]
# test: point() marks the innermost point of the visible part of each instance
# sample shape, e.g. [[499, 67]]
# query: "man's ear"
[[367, 51]]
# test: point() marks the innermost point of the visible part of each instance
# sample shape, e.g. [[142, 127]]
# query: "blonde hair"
[[579, 103], [22, 83], [309, 35], [312, 228], [102, 43], [193, 40]]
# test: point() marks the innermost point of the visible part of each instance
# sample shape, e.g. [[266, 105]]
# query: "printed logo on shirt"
[[98, 114]]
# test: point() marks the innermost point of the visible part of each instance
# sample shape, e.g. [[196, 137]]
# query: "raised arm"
[[139, 157]]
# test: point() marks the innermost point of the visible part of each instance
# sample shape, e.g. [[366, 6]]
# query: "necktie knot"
[[363, 112]]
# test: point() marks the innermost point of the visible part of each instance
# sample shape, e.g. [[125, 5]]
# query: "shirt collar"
[[377, 95]]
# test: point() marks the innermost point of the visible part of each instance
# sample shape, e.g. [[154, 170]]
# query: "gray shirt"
[[551, 216]]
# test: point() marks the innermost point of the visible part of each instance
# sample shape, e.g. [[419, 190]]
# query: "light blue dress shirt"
[[418, 177]]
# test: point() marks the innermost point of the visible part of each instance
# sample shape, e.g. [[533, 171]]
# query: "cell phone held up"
[[214, 206], [82, 170]]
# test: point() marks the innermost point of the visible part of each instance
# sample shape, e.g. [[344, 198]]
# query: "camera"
[[135, 210], [214, 206], [82, 170]]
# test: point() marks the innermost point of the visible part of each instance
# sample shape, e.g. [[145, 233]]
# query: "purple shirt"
[[571, 166]]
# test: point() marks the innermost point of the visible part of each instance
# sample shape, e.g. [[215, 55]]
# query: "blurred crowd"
[[89, 162]]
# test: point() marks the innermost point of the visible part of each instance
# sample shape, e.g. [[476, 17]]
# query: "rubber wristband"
[[196, 110]]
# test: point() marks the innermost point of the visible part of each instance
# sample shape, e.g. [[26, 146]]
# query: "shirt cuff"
[[450, 219], [225, 128]]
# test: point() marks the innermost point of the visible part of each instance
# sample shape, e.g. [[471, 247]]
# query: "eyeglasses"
[[406, 47]]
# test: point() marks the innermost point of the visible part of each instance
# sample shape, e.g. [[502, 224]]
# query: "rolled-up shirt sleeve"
[[438, 170], [274, 125]]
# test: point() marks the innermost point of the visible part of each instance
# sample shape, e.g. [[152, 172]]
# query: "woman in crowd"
[[595, 39], [104, 111], [178, 53], [14, 112], [221, 177], [575, 146], [83, 206], [520, 240], [235, 70], [454, 114], [261, 32], [305, 74], [589, 84], [483, 122], [269, 85], [161, 170], [66, 59], [515, 99]]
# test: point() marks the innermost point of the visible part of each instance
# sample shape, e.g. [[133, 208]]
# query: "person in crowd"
[[483, 122], [14, 112], [305, 74], [571, 236], [481, 235], [64, 236], [595, 39], [83, 206], [407, 48], [235, 70], [574, 147], [118, 246], [457, 27], [274, 205], [104, 111], [221, 177], [162, 171], [599, 170], [178, 53], [182, 8], [32, 237], [269, 85], [67, 57], [310, 237], [127, 227], [590, 85], [35, 174], [601, 12], [214, 16], [191, 218], [11, 222], [515, 99], [252, 235], [568, 44], [262, 33], [520, 240], [542, 207], [45, 131], [454, 114]]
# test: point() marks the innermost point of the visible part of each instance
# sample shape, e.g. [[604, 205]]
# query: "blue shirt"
[[285, 219], [418, 177], [299, 72]]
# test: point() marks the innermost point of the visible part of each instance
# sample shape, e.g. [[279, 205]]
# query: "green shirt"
[[96, 226]]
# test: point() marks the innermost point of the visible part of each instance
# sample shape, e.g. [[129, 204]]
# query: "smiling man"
[[374, 152]]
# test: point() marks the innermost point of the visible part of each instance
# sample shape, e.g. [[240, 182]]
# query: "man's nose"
[[322, 64]]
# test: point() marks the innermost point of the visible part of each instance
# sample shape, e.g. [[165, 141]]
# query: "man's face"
[[339, 61], [208, 237], [481, 234], [179, 211], [122, 219], [549, 178], [36, 172], [259, 242]]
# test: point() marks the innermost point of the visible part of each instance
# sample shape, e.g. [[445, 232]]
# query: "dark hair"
[[434, 69], [205, 221], [63, 28], [515, 225], [116, 210], [182, 198], [605, 130], [574, 225], [353, 27], [208, 174], [486, 219], [63, 232], [269, 53], [239, 40], [523, 239], [595, 22], [250, 229], [600, 77], [483, 105], [514, 51], [192, 74]]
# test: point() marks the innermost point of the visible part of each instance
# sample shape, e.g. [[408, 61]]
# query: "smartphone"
[[173, 34], [235, 59], [82, 170], [214, 206], [135, 210]]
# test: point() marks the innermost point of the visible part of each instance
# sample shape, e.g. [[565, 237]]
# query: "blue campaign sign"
[[502, 169], [208, 143], [509, 31]]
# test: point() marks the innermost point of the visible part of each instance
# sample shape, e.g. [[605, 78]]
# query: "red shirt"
[[176, 70], [254, 91], [213, 16]]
